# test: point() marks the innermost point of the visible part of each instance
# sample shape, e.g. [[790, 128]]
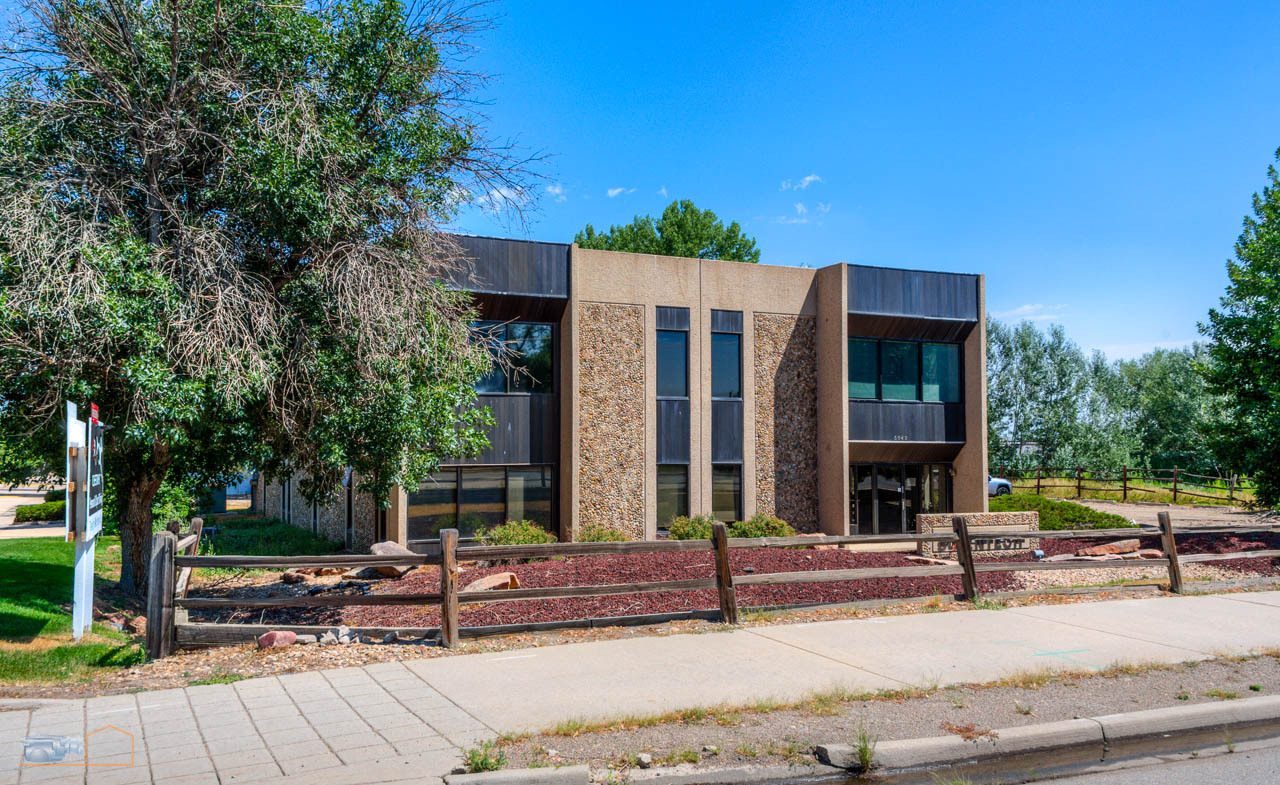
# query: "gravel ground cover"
[[769, 734]]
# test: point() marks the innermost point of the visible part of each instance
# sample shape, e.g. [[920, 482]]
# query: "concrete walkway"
[[10, 500], [408, 722]]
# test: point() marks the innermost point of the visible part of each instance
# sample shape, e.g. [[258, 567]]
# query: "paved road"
[[10, 500], [1254, 767], [1181, 514], [410, 721]]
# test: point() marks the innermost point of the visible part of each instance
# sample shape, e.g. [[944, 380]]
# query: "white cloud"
[[496, 199], [616, 191], [557, 191], [823, 208], [1032, 312], [801, 209], [662, 192], [801, 184], [802, 215]]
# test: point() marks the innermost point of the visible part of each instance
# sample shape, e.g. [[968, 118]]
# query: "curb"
[[1094, 737], [741, 775], [565, 775]]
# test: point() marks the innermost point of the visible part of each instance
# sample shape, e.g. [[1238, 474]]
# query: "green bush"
[[696, 528], [48, 511], [594, 532], [1056, 515], [58, 495], [761, 526], [515, 533]]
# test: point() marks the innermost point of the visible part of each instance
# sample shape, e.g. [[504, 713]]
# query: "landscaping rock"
[[277, 638], [328, 639], [931, 560], [138, 624], [1120, 546], [644, 760], [388, 548], [819, 547], [391, 637], [500, 580], [710, 749], [364, 574], [293, 576], [1150, 553]]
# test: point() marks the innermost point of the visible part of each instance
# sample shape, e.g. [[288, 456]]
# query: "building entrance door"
[[884, 498]]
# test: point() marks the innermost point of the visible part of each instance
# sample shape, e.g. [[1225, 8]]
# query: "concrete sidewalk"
[[408, 722]]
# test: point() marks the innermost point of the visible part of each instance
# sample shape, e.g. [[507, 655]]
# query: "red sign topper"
[[93, 412]]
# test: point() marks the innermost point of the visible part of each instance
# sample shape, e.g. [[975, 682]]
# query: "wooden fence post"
[[1231, 490], [1170, 552], [1079, 482], [1175, 485], [1039, 471], [1124, 484], [964, 554], [449, 588], [724, 576], [160, 584]]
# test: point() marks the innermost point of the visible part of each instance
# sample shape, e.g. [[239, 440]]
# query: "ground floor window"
[[726, 492], [884, 498], [673, 494], [469, 498]]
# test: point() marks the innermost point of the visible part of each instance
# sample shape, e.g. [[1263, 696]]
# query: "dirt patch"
[[760, 734]]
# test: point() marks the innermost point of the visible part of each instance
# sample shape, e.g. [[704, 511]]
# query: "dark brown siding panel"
[[880, 290], [671, 318], [526, 430], [673, 431], [887, 421], [514, 267], [726, 431], [726, 321]]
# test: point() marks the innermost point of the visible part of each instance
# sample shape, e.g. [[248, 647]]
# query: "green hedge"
[[55, 495], [594, 532], [699, 527], [515, 533], [1056, 515], [48, 511]]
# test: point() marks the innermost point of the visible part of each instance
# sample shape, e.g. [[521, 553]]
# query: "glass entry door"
[[884, 498]]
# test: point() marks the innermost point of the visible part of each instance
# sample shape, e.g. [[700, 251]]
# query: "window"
[[899, 371], [529, 494], [940, 372], [726, 492], [673, 364], [468, 498], [673, 494], [528, 348], [726, 365], [864, 368], [904, 371]]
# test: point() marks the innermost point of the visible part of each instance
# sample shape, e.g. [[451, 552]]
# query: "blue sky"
[[1093, 160]]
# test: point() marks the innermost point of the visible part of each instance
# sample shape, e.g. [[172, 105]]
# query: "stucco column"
[[833, 399], [969, 486], [398, 517]]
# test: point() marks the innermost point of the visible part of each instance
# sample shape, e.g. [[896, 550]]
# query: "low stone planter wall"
[[1012, 526]]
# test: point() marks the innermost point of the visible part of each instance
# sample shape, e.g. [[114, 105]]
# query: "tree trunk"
[[135, 494]]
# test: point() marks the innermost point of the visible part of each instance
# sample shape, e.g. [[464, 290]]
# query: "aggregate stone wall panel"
[[271, 500], [1014, 530], [611, 435], [786, 403]]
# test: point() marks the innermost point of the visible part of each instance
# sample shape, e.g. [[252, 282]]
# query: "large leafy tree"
[[217, 221], [683, 230], [1175, 410], [1245, 335]]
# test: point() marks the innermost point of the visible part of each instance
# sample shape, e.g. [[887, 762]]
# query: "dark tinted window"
[[673, 494], [529, 490], [433, 506], [899, 371], [940, 372], [493, 335], [863, 368], [673, 364], [726, 492], [480, 499], [530, 347], [726, 365]]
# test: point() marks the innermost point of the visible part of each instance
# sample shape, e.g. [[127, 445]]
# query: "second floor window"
[[529, 364], [904, 371], [726, 365]]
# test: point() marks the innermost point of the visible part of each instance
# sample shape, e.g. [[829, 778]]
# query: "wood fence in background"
[[1126, 481]]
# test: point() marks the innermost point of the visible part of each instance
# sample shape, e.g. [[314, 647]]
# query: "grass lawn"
[[1139, 491], [35, 614], [251, 535], [1059, 514]]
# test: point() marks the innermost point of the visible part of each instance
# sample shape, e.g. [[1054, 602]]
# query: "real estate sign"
[[85, 486]]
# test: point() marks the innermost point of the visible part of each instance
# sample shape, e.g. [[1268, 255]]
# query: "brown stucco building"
[[845, 399]]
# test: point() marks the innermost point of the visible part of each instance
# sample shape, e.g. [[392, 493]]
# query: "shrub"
[[1056, 515], [48, 511], [696, 528], [58, 495], [594, 532], [515, 533], [761, 526]]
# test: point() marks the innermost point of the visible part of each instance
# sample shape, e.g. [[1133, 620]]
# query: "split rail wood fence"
[[1125, 481], [168, 625]]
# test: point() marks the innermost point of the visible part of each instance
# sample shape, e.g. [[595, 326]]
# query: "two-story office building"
[[844, 399]]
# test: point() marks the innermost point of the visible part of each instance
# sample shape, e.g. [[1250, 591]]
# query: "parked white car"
[[998, 487]]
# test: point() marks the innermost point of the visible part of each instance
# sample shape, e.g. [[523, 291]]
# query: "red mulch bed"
[[1189, 544], [642, 568]]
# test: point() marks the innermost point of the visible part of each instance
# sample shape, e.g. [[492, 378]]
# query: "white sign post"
[[84, 509]]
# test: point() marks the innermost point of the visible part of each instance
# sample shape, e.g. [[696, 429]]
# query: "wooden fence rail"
[[1078, 478], [165, 595]]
